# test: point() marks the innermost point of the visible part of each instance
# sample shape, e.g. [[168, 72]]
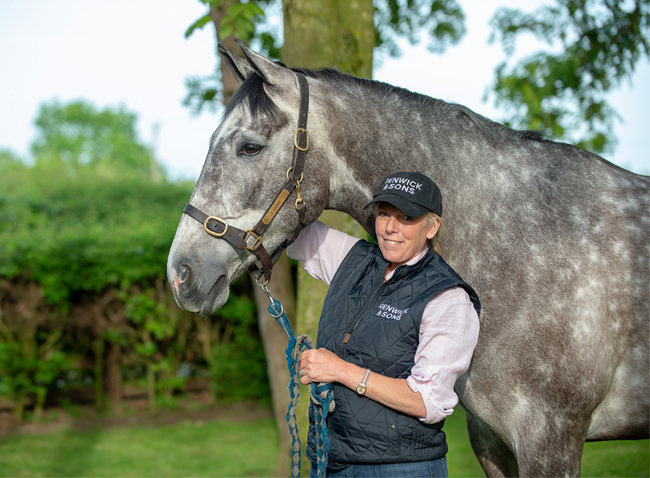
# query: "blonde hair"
[[431, 218]]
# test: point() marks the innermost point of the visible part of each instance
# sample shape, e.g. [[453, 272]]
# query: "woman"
[[398, 327]]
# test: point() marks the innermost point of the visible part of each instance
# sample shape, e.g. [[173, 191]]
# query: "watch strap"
[[364, 380]]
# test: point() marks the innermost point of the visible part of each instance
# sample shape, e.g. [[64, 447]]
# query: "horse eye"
[[251, 149]]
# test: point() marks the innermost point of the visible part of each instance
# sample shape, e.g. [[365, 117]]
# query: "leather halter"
[[251, 239]]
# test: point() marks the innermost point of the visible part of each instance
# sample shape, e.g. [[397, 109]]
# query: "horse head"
[[250, 197]]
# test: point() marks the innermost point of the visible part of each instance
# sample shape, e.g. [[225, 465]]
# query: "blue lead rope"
[[321, 393]]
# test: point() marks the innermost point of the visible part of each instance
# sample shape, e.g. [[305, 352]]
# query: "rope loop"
[[322, 397], [322, 394]]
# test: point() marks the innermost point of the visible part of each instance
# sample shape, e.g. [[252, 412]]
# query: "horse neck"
[[372, 132]]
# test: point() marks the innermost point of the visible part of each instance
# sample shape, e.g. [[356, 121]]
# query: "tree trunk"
[[99, 346], [329, 33], [317, 34], [228, 82], [113, 376], [151, 385], [275, 343]]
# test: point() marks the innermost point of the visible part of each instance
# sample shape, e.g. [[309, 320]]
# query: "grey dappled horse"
[[554, 239]]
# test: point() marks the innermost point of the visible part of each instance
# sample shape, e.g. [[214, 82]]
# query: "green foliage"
[[203, 93], [83, 252], [27, 374], [198, 24], [593, 46], [66, 233], [147, 314], [74, 235], [243, 20], [240, 19], [239, 364], [442, 21], [73, 231], [32, 353], [157, 336], [80, 133], [9, 160]]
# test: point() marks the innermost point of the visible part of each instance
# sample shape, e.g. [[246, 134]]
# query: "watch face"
[[361, 389]]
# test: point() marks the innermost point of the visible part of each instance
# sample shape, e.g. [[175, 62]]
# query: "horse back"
[[563, 276]]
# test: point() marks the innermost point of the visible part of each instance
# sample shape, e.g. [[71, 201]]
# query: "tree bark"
[[114, 315], [275, 343], [99, 348], [329, 33], [228, 82], [113, 376]]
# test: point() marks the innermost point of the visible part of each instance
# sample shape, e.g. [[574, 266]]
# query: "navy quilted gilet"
[[383, 323]]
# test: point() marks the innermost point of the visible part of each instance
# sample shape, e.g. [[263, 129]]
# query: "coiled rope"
[[322, 395]]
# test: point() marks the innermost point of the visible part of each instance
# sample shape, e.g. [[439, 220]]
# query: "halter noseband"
[[251, 239]]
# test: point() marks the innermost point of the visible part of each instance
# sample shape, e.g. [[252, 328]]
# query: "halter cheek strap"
[[251, 239]]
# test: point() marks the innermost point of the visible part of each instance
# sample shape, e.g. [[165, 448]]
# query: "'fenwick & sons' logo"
[[402, 184], [389, 312]]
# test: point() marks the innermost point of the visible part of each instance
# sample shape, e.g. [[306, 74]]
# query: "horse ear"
[[239, 67], [272, 73]]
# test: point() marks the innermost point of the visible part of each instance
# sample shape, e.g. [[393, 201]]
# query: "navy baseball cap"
[[412, 193]]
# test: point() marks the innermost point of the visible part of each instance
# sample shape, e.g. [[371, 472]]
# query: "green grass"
[[235, 449], [624, 458], [461, 461], [210, 449], [629, 458]]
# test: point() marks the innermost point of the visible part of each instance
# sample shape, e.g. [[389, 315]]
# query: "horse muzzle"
[[194, 293]]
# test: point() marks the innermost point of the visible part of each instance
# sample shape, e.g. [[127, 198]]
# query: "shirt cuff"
[[434, 412]]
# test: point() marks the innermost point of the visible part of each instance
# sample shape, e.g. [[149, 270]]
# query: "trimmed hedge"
[[82, 284]]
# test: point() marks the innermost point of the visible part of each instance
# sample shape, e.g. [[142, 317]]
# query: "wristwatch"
[[361, 388]]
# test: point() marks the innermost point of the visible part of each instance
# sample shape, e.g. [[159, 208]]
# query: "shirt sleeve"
[[321, 250], [448, 334]]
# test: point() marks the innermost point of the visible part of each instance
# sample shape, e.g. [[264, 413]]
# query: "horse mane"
[[485, 125], [259, 101]]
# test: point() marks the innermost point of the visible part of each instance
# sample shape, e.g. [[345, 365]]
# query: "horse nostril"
[[180, 277], [183, 273]]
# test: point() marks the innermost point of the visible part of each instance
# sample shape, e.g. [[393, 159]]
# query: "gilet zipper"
[[346, 337]]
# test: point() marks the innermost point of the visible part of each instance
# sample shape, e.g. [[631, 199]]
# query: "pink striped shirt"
[[448, 331]]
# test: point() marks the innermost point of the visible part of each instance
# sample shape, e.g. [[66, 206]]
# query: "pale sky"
[[132, 52]]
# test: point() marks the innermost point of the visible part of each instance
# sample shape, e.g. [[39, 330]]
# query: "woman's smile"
[[401, 237]]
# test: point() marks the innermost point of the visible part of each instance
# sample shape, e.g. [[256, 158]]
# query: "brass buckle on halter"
[[213, 233], [290, 171], [295, 139], [256, 240], [300, 202]]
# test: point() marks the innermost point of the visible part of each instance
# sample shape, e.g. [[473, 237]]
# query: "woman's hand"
[[321, 365]]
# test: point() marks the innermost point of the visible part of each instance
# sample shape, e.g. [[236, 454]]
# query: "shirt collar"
[[413, 260]]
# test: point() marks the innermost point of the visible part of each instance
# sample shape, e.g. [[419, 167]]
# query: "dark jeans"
[[419, 469]]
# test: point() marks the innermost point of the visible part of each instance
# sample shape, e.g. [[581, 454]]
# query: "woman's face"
[[401, 237]]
